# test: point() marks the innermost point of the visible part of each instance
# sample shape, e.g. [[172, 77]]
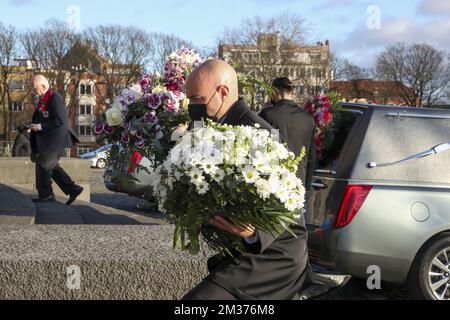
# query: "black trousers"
[[208, 290], [48, 168]]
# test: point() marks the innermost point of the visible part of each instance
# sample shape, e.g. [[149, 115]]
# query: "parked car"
[[98, 157], [381, 197]]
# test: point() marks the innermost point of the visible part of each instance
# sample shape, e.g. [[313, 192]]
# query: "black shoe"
[[74, 196], [44, 200]]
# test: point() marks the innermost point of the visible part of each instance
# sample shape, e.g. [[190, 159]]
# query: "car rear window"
[[335, 138]]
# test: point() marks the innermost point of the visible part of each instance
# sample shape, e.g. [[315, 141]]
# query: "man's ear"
[[224, 91]]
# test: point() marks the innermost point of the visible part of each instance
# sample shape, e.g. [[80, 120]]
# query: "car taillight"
[[353, 200]]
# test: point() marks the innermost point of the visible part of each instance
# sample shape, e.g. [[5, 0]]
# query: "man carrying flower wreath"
[[50, 135], [272, 268]]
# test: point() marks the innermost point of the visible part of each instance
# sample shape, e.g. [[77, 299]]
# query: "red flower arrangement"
[[320, 108]]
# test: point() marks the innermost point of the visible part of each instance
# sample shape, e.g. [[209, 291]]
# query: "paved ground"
[[355, 289]]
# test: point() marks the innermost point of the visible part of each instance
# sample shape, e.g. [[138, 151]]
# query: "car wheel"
[[430, 274], [101, 164]]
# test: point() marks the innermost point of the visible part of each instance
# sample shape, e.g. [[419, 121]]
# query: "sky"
[[356, 29]]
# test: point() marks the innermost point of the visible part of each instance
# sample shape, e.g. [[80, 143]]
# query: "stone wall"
[[114, 262], [20, 173]]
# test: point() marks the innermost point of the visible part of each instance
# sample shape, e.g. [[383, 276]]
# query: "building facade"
[[308, 66], [18, 104], [86, 90], [371, 91]]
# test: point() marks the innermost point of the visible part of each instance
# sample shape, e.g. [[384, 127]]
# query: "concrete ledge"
[[56, 213], [115, 262], [20, 173], [15, 207]]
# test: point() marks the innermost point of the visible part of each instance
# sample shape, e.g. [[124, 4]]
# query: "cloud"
[[363, 45], [434, 7], [407, 30]]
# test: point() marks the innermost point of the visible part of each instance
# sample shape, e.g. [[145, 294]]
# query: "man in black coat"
[[22, 146], [50, 135], [297, 127], [272, 268]]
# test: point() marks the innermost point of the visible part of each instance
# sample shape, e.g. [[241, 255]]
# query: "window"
[[84, 131], [16, 106], [16, 85], [302, 90], [317, 89], [85, 109], [86, 89], [315, 58], [303, 72], [82, 149], [335, 139]]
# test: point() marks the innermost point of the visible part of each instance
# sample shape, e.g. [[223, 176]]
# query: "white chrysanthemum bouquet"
[[241, 173]]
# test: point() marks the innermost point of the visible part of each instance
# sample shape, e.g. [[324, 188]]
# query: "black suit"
[[274, 269], [49, 145], [297, 128]]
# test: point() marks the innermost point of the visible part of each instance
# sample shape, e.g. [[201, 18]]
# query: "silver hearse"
[[381, 197]]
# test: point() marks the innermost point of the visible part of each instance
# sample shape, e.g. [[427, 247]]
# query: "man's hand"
[[243, 231], [35, 127]]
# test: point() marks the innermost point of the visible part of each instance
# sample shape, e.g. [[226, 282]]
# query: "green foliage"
[[255, 90]]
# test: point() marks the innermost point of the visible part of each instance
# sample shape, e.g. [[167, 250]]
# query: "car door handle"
[[319, 185]]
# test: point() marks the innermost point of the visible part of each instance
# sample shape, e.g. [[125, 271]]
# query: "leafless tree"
[[421, 71], [47, 47], [267, 48], [291, 26], [163, 45], [125, 52], [344, 69], [9, 48]]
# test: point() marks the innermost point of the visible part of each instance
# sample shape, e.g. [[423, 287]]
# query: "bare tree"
[[9, 48], [272, 41], [421, 72], [267, 48], [125, 51], [291, 26], [47, 47], [163, 46], [344, 69]]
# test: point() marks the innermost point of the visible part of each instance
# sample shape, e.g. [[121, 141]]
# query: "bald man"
[[273, 268], [50, 135]]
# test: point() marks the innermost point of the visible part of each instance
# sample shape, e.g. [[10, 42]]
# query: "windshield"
[[104, 148]]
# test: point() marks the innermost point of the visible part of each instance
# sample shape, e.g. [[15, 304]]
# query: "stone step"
[[15, 207], [113, 262], [81, 212], [95, 214], [56, 213]]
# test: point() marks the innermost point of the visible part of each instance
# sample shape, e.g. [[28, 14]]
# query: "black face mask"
[[199, 112]]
